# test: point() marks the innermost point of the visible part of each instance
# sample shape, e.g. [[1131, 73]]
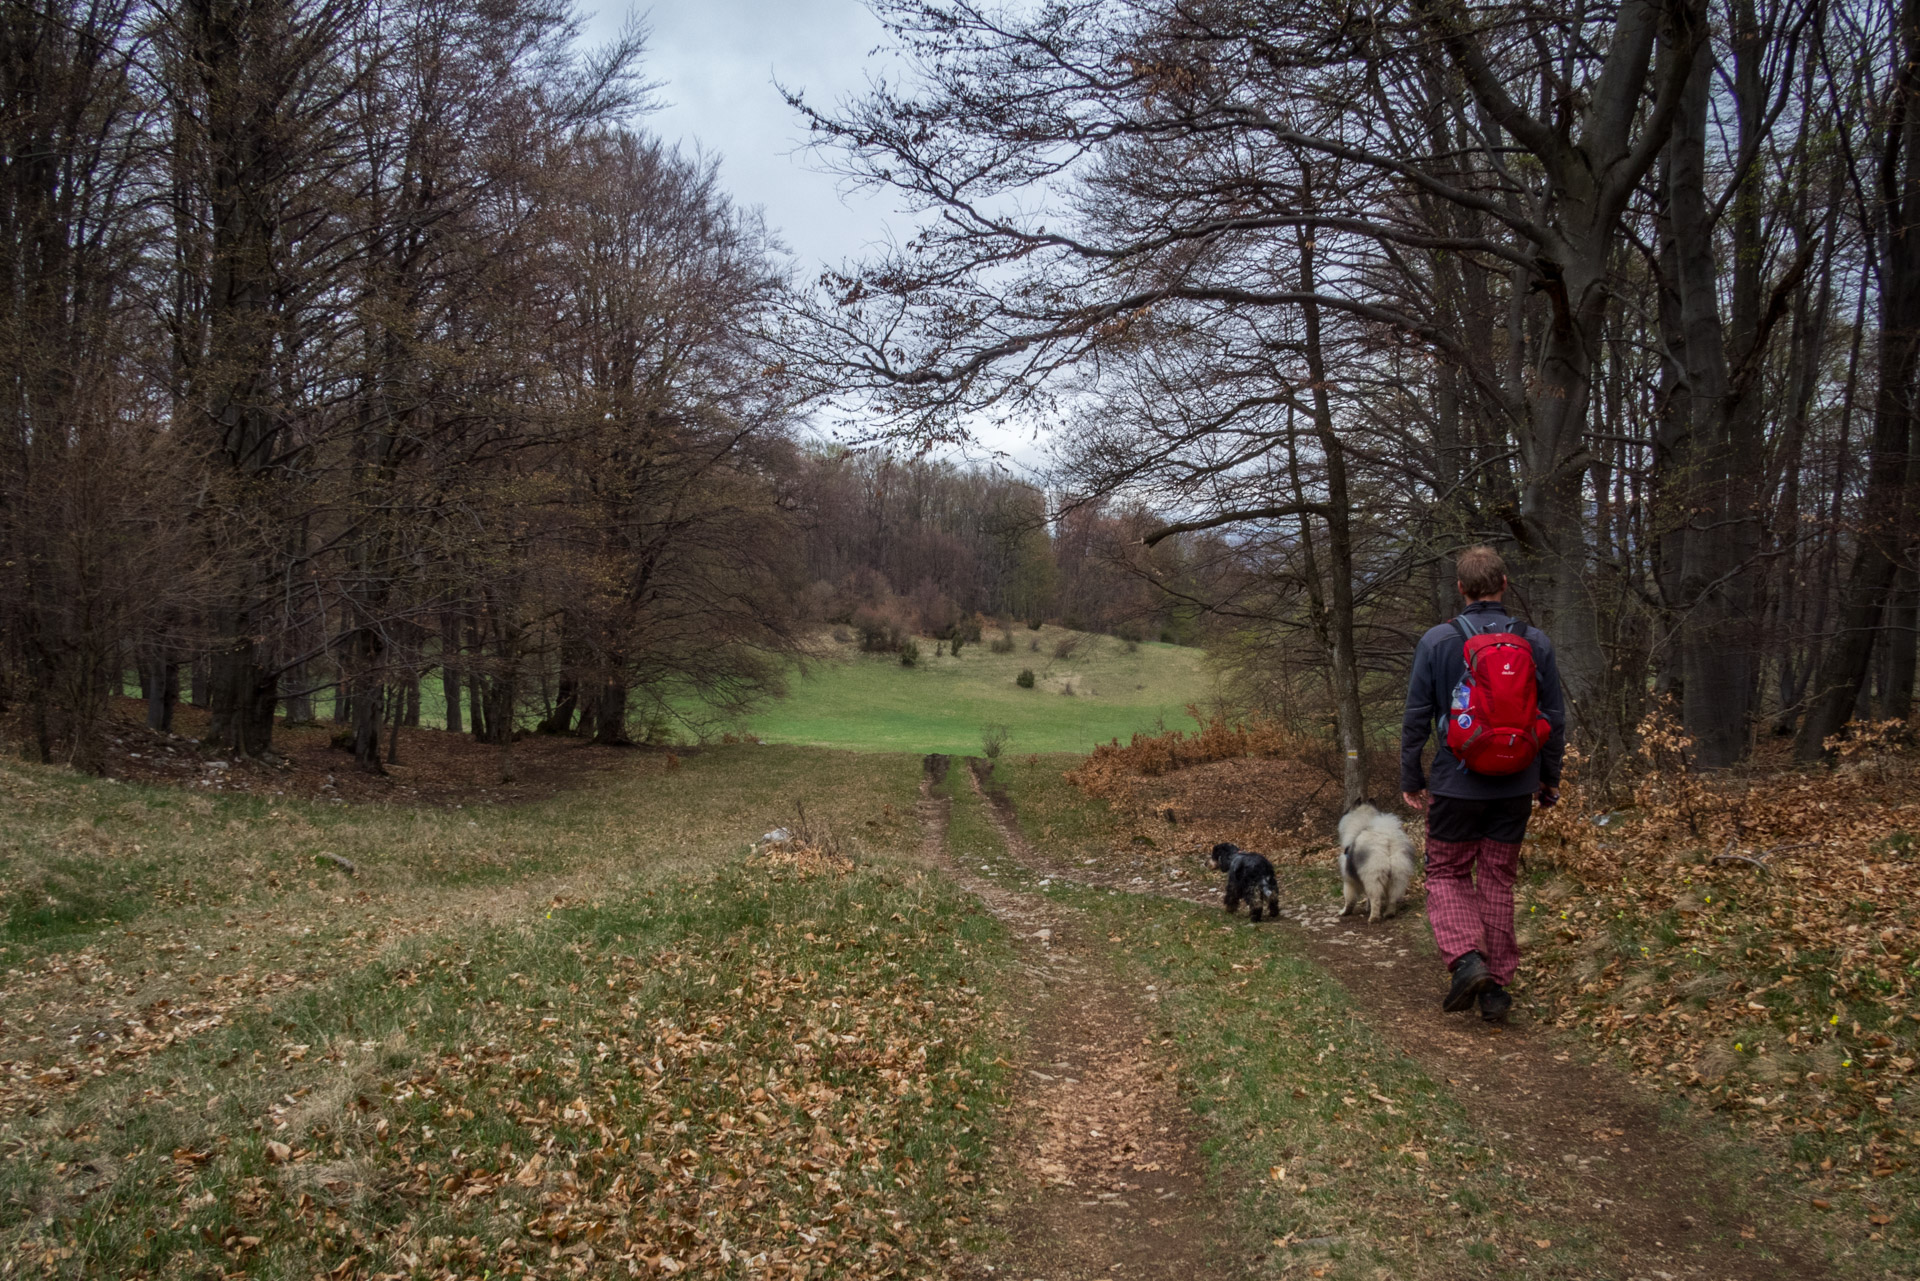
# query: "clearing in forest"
[[1087, 690], [968, 1022]]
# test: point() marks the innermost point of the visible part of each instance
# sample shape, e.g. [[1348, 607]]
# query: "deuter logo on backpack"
[[1494, 725]]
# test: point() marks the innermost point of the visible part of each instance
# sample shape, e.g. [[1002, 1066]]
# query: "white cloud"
[[719, 61], [720, 64]]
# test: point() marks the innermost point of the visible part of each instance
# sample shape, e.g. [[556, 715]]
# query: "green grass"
[[80, 858], [869, 702], [679, 1056], [580, 1033]]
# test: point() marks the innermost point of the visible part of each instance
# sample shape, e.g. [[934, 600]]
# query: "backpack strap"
[[1502, 623], [1468, 631]]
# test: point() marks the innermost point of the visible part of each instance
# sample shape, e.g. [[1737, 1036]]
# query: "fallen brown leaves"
[[1751, 941], [1217, 739], [796, 1123], [72, 1020], [804, 858], [1254, 783], [777, 1072], [1754, 942]]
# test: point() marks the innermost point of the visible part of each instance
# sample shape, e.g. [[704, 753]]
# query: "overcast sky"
[[718, 62]]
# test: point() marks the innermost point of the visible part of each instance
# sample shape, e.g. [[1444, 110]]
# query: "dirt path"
[[1101, 1173], [1585, 1145]]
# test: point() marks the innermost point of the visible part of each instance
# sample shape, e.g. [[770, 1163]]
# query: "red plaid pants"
[[1470, 901]]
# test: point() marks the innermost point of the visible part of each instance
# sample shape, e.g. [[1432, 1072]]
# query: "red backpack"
[[1494, 725]]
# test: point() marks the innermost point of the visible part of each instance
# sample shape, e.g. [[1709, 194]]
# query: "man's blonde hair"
[[1480, 572]]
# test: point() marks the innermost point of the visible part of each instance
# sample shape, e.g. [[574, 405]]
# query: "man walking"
[[1492, 686]]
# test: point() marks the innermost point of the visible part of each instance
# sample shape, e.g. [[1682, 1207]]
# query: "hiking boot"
[[1495, 1003], [1470, 975]]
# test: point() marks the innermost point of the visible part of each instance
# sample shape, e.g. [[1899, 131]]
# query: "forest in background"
[[1629, 289], [351, 345]]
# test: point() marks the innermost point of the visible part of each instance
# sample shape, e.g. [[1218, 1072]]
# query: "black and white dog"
[[1376, 862], [1249, 877]]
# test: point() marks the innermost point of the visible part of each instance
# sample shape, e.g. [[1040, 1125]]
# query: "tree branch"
[[1229, 518]]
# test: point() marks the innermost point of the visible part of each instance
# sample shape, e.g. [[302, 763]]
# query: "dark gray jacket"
[[1438, 664]]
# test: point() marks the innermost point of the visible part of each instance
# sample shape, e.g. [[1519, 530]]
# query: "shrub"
[[1003, 643], [909, 653], [932, 610], [1034, 624], [1033, 646], [1067, 689], [993, 737], [1150, 755], [954, 644], [880, 632], [842, 635], [1065, 646], [1025, 679]]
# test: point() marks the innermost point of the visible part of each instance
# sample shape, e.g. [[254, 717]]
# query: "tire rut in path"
[[1101, 1175], [1587, 1147]]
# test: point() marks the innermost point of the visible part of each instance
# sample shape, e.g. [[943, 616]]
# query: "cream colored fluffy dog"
[[1376, 861]]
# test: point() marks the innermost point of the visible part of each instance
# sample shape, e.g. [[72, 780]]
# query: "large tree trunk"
[[1897, 645], [477, 709], [1893, 472], [161, 678], [39, 745], [396, 707], [1592, 176], [478, 721], [1348, 716], [1808, 344], [230, 49], [610, 713], [450, 668], [369, 704], [1553, 513], [1720, 554], [244, 691], [566, 703], [1672, 454]]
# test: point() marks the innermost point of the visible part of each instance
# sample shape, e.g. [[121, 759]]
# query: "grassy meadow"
[[1103, 688], [585, 1034]]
